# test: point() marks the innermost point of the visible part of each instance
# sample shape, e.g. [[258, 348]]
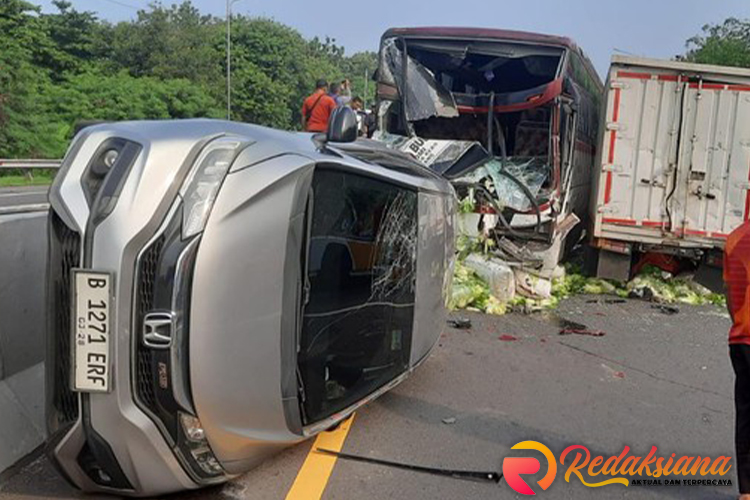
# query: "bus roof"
[[487, 33]]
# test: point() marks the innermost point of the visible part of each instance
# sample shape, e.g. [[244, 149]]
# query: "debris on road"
[[498, 275], [507, 338], [568, 327], [449, 420], [459, 323], [471, 292], [606, 301], [659, 286], [491, 477], [614, 373], [483, 283], [574, 331], [665, 309]]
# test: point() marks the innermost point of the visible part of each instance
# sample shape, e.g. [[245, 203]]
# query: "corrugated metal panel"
[[648, 192]]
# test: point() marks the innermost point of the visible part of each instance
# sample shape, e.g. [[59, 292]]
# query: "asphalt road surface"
[[652, 379], [22, 196]]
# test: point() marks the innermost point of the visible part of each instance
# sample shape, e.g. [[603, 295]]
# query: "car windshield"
[[361, 275]]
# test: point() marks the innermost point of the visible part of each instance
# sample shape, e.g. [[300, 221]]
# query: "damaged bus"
[[510, 118]]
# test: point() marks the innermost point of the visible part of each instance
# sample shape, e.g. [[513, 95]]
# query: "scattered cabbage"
[[471, 292]]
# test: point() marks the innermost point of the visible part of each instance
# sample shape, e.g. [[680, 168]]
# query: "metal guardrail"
[[29, 164], [24, 209]]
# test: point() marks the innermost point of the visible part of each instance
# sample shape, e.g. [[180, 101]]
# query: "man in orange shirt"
[[737, 281], [317, 108]]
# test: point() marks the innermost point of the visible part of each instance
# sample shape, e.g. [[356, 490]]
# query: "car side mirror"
[[342, 125]]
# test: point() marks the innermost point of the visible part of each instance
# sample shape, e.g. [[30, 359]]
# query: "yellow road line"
[[313, 476]]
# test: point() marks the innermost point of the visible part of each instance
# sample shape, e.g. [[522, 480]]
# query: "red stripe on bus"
[[747, 199], [626, 222], [740, 88], [668, 78]]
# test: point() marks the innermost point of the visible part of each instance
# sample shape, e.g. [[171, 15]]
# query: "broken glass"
[[532, 172], [422, 95], [358, 320]]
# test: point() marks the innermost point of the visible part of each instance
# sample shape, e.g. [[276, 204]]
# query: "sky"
[[651, 28]]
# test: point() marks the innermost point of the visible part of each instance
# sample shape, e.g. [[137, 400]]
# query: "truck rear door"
[[675, 157], [711, 184], [638, 153]]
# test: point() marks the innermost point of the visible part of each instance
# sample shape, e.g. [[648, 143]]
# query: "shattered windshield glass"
[[443, 74], [361, 272], [471, 67], [531, 172], [422, 94]]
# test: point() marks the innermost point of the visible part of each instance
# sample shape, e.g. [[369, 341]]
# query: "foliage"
[[21, 180], [169, 62], [726, 44]]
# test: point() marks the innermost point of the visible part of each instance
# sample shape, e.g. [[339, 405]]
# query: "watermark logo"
[[513, 467], [623, 469], [649, 468]]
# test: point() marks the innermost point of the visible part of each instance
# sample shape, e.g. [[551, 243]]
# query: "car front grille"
[[64, 255], [144, 374]]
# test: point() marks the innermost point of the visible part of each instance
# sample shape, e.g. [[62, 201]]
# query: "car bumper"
[[106, 441]]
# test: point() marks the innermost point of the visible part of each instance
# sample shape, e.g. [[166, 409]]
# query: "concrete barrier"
[[23, 249]]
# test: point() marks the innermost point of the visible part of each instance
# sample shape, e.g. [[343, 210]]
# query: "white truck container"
[[673, 158]]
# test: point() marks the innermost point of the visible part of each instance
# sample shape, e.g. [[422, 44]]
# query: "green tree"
[[169, 62], [289, 66], [170, 42], [23, 128], [74, 39], [359, 68], [726, 44]]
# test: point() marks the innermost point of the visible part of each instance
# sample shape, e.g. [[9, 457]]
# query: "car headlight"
[[200, 190]]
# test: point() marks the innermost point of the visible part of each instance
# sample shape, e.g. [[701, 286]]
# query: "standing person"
[[345, 96], [737, 281], [317, 108], [334, 91], [371, 121], [356, 105]]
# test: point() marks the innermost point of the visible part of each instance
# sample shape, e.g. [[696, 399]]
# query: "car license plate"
[[91, 314]]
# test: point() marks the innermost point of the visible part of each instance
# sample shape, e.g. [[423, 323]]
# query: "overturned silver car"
[[218, 291]]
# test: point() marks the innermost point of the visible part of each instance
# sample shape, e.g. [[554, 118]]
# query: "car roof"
[[268, 143]]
